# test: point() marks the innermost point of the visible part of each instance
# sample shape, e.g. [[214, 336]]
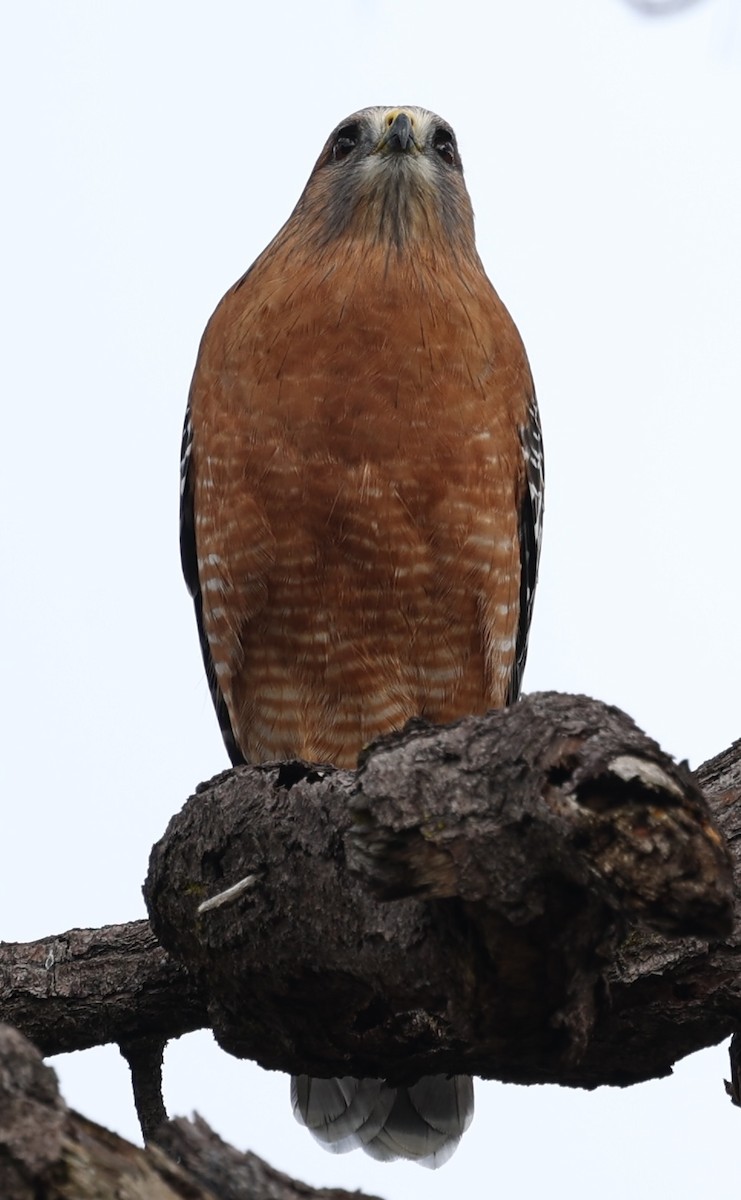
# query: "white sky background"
[[150, 150]]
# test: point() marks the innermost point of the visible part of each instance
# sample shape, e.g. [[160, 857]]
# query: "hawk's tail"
[[423, 1123]]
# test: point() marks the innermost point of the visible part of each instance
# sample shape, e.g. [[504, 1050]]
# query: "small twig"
[[733, 1086], [144, 1056], [229, 896]]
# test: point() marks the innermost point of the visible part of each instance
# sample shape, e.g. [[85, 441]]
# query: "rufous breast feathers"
[[356, 469]]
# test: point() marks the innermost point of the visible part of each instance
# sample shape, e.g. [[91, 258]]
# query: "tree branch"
[[144, 1056], [87, 987], [532, 837], [48, 1152], [528, 839]]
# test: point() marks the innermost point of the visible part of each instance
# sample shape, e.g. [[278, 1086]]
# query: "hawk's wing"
[[530, 530], [189, 560]]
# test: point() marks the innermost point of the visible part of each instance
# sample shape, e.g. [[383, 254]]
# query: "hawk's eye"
[[345, 142], [444, 143]]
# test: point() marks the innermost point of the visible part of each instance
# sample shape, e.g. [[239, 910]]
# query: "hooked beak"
[[399, 137]]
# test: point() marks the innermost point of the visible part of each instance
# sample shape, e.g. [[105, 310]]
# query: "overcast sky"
[[150, 150]]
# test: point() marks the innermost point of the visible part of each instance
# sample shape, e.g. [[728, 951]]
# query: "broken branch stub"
[[514, 846], [555, 783]]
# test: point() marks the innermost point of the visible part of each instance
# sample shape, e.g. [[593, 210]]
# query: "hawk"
[[361, 500]]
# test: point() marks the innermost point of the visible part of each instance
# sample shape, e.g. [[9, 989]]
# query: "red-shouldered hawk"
[[361, 502]]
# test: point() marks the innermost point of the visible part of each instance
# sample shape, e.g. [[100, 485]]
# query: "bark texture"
[[539, 894], [87, 987], [513, 851], [48, 1152]]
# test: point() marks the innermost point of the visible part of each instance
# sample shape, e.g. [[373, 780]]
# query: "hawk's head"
[[390, 175]]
